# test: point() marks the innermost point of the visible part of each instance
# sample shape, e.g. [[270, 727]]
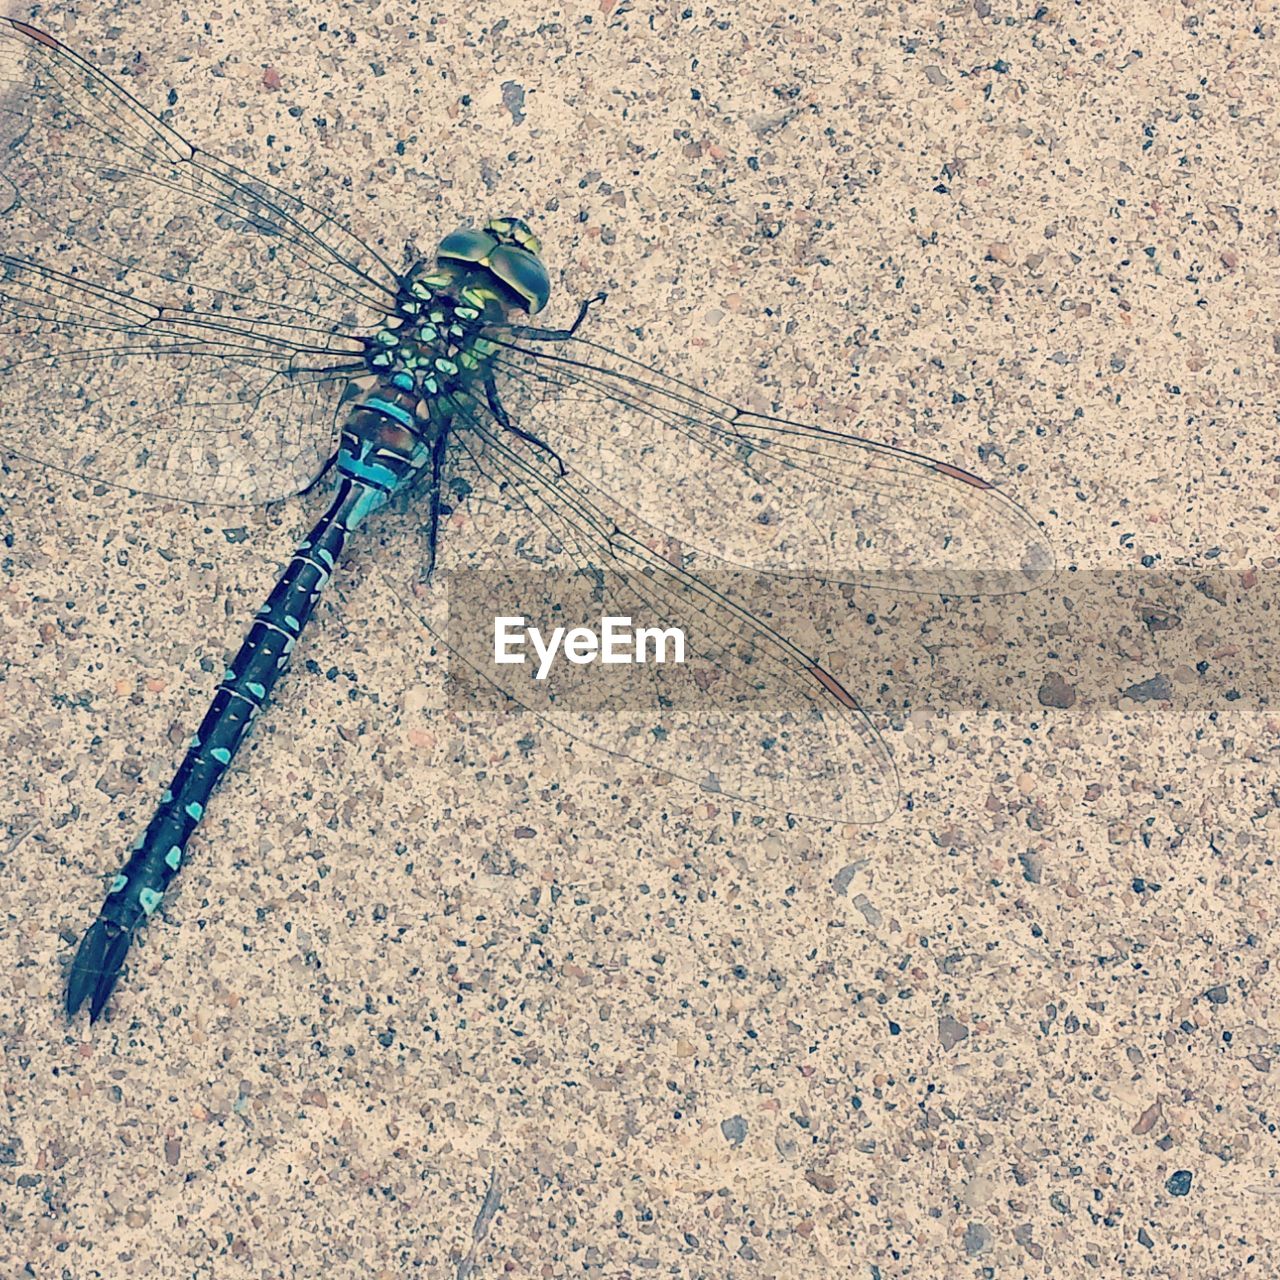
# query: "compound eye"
[[523, 272], [514, 231], [467, 245]]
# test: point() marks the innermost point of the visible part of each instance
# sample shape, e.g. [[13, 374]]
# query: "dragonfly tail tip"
[[96, 968]]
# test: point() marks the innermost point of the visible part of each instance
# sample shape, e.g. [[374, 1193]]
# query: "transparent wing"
[[764, 493], [747, 715], [190, 326]]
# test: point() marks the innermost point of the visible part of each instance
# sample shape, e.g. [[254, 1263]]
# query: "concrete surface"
[[426, 1003]]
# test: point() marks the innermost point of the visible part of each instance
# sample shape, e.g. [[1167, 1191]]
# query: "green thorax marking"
[[433, 345]]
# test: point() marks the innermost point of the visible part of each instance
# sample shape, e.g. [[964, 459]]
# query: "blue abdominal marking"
[[384, 407]]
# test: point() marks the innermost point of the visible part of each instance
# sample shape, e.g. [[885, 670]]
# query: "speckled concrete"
[[427, 1004]]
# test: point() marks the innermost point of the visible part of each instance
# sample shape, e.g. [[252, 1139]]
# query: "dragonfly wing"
[[747, 715], [181, 305], [781, 497]]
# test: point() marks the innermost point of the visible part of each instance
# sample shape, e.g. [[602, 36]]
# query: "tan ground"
[[409, 963]]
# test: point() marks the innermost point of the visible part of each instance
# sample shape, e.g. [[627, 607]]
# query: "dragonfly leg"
[[433, 505], [503, 419], [533, 332]]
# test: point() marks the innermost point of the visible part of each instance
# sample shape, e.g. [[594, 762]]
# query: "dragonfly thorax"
[[433, 346], [435, 341], [431, 359]]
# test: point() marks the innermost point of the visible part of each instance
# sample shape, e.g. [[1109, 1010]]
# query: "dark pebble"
[[977, 1239], [951, 1031], [1056, 692], [1157, 689], [1179, 1182]]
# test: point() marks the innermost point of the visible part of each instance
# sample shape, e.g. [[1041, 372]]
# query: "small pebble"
[[417, 697], [869, 911], [1157, 689], [1179, 1182], [1056, 692], [951, 1031], [823, 1182], [977, 1239], [843, 878]]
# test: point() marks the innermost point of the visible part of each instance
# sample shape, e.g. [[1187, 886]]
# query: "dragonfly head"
[[508, 253]]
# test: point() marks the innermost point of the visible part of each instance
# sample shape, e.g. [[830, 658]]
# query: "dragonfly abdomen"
[[139, 887], [384, 447]]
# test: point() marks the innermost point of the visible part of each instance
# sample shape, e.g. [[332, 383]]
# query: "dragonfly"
[[174, 326]]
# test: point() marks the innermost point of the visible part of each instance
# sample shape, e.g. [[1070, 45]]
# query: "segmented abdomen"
[[246, 686]]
